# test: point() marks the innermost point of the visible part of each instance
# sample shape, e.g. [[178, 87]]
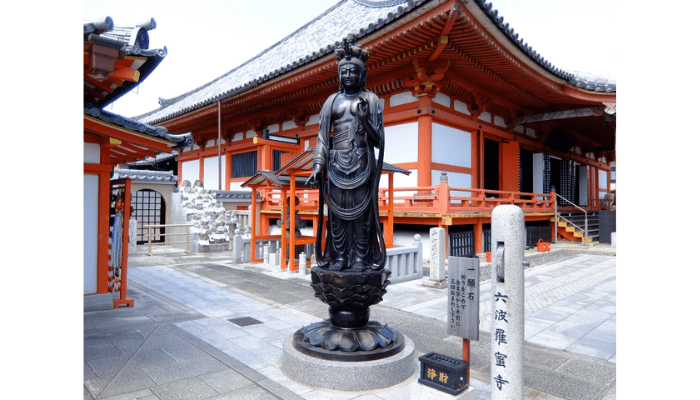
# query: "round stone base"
[[348, 376]]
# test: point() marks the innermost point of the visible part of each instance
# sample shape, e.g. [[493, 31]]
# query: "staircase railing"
[[557, 216]]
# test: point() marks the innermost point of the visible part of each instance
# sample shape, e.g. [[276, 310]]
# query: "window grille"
[[244, 164], [149, 208]]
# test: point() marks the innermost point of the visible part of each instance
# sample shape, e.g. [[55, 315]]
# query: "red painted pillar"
[[478, 233], [389, 239], [425, 142], [179, 168], [510, 166], [201, 169]]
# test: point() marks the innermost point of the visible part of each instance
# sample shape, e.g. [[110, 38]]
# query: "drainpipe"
[[218, 142]]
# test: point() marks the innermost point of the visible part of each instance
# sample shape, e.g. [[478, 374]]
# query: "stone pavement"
[[202, 328]]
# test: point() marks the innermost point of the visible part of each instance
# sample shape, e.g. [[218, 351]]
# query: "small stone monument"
[[237, 243], [437, 260]]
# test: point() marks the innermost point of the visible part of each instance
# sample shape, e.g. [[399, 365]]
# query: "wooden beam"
[[126, 74], [461, 82], [565, 114], [94, 94], [137, 151], [444, 39], [95, 125], [100, 85]]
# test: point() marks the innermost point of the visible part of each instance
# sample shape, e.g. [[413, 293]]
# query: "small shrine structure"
[[116, 59]]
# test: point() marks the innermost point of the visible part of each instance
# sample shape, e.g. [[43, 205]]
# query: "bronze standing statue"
[[346, 170], [350, 275]]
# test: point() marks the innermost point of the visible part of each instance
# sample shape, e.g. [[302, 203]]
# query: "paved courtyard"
[[186, 337]]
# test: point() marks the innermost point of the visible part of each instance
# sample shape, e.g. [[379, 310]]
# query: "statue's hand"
[[315, 177], [362, 109]]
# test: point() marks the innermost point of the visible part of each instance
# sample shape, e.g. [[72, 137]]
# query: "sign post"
[[463, 278], [463, 297], [508, 303]]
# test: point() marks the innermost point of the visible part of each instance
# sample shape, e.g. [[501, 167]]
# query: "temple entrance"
[[491, 165], [149, 209], [526, 169]]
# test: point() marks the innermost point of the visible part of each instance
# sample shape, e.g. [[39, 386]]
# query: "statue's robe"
[[350, 189]]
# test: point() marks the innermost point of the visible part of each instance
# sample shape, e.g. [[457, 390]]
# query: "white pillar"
[[266, 254], [508, 303], [237, 247], [302, 263]]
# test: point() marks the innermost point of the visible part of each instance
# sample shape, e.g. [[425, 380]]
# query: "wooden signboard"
[[463, 297]]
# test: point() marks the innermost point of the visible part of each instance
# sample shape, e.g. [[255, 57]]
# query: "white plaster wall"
[[274, 128], [537, 173], [442, 99], [211, 170], [454, 179], [462, 107], [90, 209], [485, 116], [190, 171], [314, 119], [237, 186], [250, 134], [401, 143], [602, 179], [288, 125], [499, 121], [237, 136], [401, 181], [91, 153], [451, 146], [401, 98]]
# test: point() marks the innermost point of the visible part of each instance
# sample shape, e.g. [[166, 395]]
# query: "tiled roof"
[[593, 82], [232, 195], [133, 40], [310, 42], [139, 176], [160, 157], [320, 37], [183, 140]]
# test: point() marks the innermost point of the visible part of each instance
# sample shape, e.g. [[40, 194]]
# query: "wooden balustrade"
[[439, 199], [453, 200]]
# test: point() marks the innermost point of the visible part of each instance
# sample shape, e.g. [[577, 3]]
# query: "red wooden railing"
[[440, 199], [443, 200]]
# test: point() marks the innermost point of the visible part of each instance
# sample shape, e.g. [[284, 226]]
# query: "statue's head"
[[351, 64]]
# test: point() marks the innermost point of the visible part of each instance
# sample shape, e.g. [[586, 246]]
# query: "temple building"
[[116, 59], [473, 115]]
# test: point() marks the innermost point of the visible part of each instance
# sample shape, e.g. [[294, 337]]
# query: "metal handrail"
[[151, 233], [557, 216]]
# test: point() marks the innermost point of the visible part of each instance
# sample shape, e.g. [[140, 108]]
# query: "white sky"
[[207, 38]]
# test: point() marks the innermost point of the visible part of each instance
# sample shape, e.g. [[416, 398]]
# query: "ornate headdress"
[[348, 49]]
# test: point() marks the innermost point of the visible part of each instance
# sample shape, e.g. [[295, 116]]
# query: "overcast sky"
[[207, 38]]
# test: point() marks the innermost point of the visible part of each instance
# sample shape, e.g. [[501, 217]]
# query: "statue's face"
[[350, 73]]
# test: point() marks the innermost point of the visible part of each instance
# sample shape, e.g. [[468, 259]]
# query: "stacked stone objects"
[[212, 225]]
